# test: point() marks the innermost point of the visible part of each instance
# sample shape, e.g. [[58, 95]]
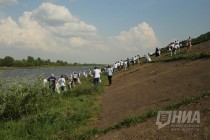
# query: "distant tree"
[[53, 63], [38, 62], [47, 62], [1, 62], [60, 63], [30, 61], [66, 63], [20, 63], [8, 61], [25, 62]]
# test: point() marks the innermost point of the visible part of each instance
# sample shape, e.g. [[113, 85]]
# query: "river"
[[33, 74]]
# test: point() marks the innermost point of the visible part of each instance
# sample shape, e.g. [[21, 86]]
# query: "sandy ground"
[[149, 130], [154, 85]]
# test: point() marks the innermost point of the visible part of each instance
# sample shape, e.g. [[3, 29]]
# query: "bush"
[[31, 111]]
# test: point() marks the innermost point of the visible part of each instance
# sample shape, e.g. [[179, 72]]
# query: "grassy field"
[[31, 112]]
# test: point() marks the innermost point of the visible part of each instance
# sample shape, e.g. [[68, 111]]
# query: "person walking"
[[62, 83], [52, 82], [96, 75], [189, 44], [75, 77], [128, 62], [109, 74]]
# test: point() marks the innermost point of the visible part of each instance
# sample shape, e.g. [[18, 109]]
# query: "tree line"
[[9, 61]]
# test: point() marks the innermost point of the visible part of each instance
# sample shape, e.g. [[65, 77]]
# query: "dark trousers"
[[62, 88], [52, 87], [96, 81], [75, 80], [110, 80]]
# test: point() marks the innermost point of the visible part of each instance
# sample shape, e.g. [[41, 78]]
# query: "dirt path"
[[147, 130], [154, 85]]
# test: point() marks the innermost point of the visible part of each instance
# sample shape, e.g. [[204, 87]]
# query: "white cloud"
[[77, 41], [46, 28], [140, 39], [55, 32]]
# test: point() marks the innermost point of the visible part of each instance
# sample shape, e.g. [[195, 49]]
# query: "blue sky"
[[97, 31]]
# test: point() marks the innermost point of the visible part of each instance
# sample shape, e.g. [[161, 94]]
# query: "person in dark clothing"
[[128, 62], [157, 54], [52, 81], [75, 78]]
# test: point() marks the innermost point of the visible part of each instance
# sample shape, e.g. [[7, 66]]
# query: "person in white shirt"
[[96, 75], [70, 77], [109, 72], [45, 82], [147, 57], [115, 67], [57, 87], [177, 46], [172, 48], [125, 63], [121, 64], [62, 83], [84, 74], [90, 73]]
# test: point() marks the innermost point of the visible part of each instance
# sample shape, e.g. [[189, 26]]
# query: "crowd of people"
[[175, 47], [128, 62], [63, 83]]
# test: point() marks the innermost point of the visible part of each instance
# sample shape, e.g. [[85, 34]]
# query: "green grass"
[[34, 113], [191, 57], [64, 120]]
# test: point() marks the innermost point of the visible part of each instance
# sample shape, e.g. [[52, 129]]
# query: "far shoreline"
[[42, 67]]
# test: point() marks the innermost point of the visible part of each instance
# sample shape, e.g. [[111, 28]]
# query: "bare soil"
[[155, 85]]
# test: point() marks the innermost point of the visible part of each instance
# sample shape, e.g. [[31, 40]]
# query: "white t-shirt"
[[97, 73], [75, 76], [115, 65], [121, 63], [125, 63], [45, 82], [62, 82]]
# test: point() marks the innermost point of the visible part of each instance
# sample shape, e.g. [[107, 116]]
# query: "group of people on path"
[[74, 79], [124, 64], [96, 73], [65, 83], [176, 46]]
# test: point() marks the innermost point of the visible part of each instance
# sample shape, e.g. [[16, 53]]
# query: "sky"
[[97, 31]]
